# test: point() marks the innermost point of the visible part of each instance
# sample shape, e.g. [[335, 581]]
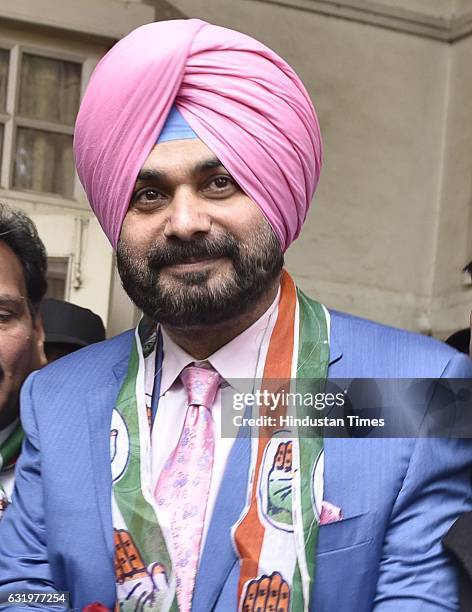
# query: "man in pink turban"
[[200, 462], [242, 100]]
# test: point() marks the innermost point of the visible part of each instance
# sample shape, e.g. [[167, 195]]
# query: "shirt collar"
[[236, 361]]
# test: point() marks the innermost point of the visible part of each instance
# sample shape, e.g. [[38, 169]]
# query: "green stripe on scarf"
[[138, 515], [312, 370], [10, 449]]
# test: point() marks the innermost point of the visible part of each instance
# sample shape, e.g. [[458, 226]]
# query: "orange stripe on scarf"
[[249, 534]]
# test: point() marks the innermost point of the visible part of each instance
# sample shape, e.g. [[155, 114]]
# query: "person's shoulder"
[[90, 362], [357, 326], [394, 351]]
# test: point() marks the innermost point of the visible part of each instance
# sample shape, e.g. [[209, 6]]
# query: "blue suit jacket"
[[398, 496]]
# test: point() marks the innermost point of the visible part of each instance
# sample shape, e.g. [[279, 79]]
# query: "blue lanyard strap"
[[156, 390]]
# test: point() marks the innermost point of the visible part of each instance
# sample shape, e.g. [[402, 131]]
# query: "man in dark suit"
[[459, 538], [462, 339]]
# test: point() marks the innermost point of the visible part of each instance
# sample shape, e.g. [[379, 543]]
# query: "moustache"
[[175, 251]]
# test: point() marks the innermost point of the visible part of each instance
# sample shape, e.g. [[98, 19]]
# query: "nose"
[[187, 216]]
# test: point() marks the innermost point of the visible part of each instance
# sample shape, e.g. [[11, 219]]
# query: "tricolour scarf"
[[9, 451], [276, 534]]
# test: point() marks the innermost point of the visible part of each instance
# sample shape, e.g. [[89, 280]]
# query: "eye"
[[222, 185], [221, 182], [146, 196], [5, 316]]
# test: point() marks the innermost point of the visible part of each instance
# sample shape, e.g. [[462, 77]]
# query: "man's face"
[[194, 249], [21, 338]]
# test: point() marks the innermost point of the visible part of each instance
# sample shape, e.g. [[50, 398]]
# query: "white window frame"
[[11, 120], [68, 260]]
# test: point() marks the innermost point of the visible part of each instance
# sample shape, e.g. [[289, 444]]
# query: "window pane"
[[44, 162], [4, 57], [57, 276], [49, 89]]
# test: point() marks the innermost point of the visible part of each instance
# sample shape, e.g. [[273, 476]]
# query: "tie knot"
[[201, 385]]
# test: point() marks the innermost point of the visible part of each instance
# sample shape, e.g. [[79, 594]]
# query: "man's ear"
[[39, 357]]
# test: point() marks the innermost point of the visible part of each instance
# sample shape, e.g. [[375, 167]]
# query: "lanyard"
[[156, 389]]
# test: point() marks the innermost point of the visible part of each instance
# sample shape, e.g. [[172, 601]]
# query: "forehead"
[[178, 155], [12, 280]]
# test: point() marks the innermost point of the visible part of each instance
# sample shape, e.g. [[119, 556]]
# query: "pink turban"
[[241, 98]]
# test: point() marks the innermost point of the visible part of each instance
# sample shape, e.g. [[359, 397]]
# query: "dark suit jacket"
[[459, 542]]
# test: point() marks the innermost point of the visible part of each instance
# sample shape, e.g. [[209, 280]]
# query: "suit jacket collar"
[[335, 348], [100, 404], [218, 555], [120, 368]]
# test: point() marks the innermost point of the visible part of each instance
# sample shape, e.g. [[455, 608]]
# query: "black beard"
[[192, 299]]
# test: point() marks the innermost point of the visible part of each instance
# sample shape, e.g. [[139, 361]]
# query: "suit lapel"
[[218, 555], [335, 349], [100, 404]]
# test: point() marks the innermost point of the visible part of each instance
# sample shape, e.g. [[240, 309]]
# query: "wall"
[[451, 292], [393, 200]]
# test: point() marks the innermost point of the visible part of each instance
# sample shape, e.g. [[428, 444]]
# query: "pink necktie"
[[184, 483]]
